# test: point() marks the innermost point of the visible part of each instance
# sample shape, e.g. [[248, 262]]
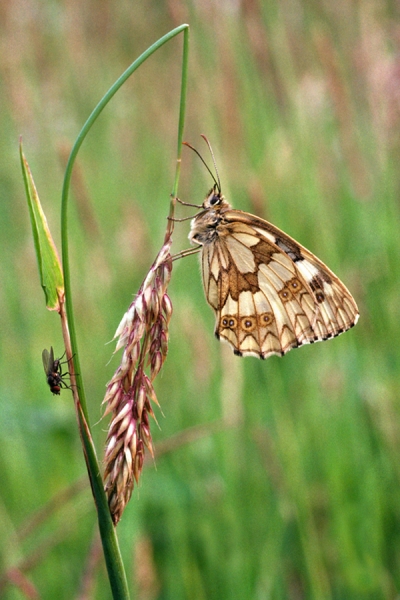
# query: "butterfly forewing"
[[268, 292]]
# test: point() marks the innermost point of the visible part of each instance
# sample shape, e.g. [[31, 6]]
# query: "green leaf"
[[50, 271]]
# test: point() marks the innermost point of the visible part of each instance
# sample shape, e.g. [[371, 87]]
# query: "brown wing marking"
[[258, 331], [288, 297], [337, 308]]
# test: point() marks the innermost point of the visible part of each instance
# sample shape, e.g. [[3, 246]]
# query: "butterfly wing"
[[269, 293]]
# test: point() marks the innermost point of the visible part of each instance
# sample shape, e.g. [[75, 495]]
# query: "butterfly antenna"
[[217, 183], [214, 161]]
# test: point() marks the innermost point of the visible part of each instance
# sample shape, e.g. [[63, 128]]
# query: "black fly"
[[53, 370]]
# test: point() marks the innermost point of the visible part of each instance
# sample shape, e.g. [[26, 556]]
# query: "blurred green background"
[[273, 480]]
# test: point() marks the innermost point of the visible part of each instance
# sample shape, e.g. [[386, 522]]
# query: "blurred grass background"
[[277, 479]]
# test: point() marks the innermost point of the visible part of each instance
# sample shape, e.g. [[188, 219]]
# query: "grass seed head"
[[143, 333]]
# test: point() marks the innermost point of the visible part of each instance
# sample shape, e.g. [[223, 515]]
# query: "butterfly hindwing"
[[261, 306]]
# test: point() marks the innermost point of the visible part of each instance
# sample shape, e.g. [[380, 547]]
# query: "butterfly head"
[[204, 229], [215, 200]]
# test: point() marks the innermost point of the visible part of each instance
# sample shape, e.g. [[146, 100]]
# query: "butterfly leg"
[[188, 203], [186, 252], [175, 220]]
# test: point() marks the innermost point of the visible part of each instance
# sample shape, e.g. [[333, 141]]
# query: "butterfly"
[[269, 294], [53, 370]]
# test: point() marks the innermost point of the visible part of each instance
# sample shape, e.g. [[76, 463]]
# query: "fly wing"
[[48, 360]]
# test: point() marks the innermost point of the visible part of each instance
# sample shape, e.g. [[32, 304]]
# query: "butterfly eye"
[[215, 199]]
